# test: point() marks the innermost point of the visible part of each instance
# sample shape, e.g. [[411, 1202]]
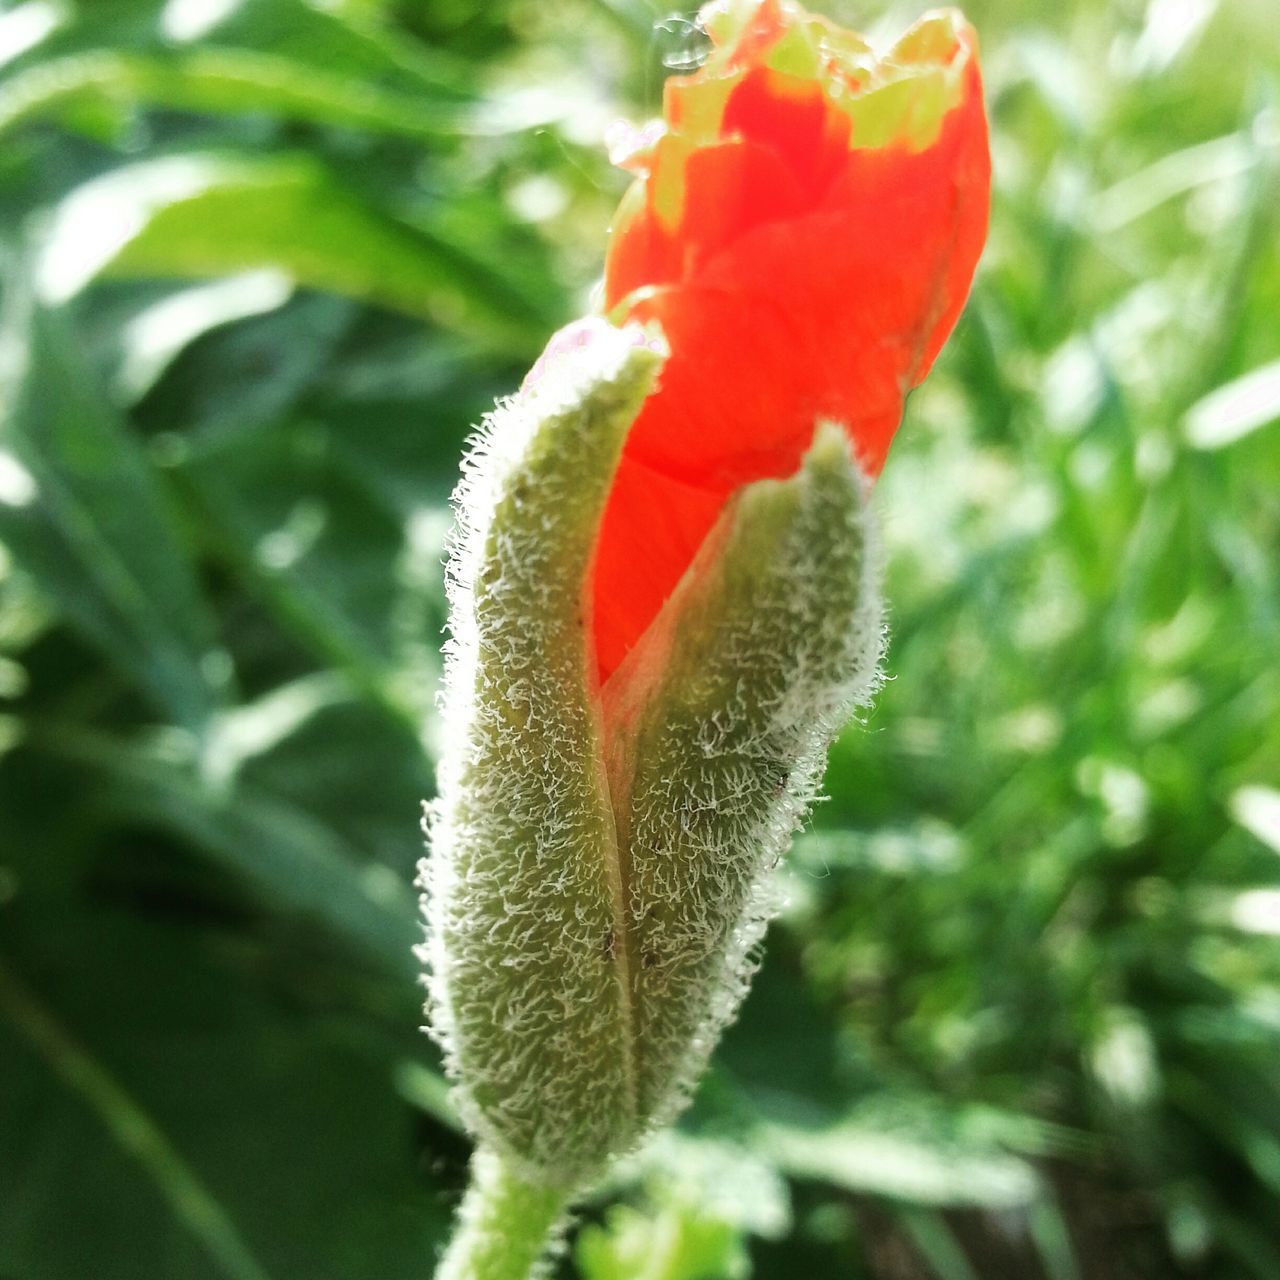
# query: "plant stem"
[[505, 1225]]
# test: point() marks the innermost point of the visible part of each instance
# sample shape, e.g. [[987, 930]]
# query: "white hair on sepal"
[[598, 881], [721, 719], [520, 886]]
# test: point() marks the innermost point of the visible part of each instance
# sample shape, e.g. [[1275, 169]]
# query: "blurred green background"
[[265, 263]]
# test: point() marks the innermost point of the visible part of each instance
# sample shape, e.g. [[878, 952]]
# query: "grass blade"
[[191, 1201], [83, 512]]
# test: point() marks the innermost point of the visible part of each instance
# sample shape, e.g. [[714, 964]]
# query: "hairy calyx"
[[599, 856]]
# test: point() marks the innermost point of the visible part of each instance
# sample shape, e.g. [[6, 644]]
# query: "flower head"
[[804, 226], [664, 596]]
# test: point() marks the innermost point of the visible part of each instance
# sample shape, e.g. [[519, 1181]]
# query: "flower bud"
[[599, 854]]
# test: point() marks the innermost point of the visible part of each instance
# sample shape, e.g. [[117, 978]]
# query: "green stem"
[[505, 1225]]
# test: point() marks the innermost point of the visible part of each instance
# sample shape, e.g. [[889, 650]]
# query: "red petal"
[[829, 299], [729, 187], [794, 118], [652, 528]]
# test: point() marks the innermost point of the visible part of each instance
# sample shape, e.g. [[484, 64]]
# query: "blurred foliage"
[[265, 263]]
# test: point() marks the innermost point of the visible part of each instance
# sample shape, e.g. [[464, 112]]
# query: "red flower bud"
[[804, 227], [802, 234]]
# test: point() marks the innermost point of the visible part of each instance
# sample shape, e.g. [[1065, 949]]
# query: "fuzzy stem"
[[505, 1225]]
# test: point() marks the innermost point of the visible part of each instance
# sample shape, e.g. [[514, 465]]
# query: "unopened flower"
[[663, 593]]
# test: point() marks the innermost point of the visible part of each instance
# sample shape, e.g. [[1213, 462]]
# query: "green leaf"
[[195, 1104], [1257, 809], [228, 81], [722, 1181], [1052, 1238], [904, 1153], [213, 213], [281, 851], [357, 583], [82, 510], [1231, 412], [156, 336], [930, 1234], [296, 341], [304, 34], [672, 1244], [130, 1126]]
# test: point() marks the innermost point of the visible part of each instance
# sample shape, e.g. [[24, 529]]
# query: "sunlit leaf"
[[206, 214], [226, 81], [1233, 411], [1257, 809], [880, 1159]]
